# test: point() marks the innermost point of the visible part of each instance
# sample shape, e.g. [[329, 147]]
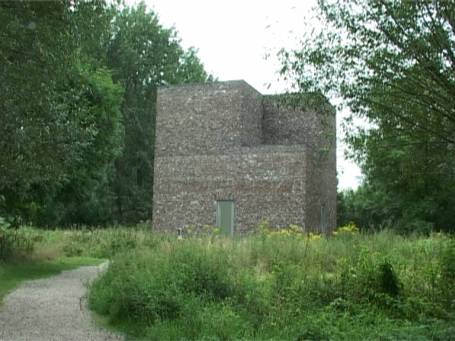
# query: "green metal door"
[[225, 216]]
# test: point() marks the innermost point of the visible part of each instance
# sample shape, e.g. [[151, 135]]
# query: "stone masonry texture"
[[225, 141]]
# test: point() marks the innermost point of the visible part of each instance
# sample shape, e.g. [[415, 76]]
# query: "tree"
[[84, 197], [143, 55], [393, 62], [34, 119], [60, 114], [77, 108]]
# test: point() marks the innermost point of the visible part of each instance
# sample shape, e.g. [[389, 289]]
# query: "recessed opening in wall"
[[225, 216], [323, 218]]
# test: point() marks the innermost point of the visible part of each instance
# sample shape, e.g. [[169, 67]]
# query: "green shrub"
[[448, 262], [388, 278], [155, 285], [447, 280], [279, 286]]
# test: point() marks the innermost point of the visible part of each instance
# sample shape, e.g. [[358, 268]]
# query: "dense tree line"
[[393, 63], [78, 87]]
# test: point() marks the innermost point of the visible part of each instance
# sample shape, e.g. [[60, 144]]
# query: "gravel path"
[[54, 309]]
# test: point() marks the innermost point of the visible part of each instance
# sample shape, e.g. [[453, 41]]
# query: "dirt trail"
[[54, 308]]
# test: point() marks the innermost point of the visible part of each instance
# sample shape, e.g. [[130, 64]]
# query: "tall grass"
[[31, 243], [282, 286]]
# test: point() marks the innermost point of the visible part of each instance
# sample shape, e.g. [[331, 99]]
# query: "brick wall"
[[264, 183], [223, 141], [207, 119]]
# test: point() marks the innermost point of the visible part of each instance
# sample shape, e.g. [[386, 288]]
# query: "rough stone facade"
[[225, 141]]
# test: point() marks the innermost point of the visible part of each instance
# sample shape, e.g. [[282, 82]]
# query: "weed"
[[388, 278], [279, 285], [15, 243]]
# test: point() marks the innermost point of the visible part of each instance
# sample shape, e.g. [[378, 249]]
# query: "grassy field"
[[270, 285], [29, 253], [283, 286]]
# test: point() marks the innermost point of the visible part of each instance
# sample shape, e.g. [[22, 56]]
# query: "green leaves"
[[60, 115], [143, 56], [393, 64], [77, 101]]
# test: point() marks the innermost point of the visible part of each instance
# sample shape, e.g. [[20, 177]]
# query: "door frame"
[[218, 214]]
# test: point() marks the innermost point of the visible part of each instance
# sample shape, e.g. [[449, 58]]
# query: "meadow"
[[275, 285], [29, 253]]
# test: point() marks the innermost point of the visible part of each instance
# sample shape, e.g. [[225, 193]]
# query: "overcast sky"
[[235, 36]]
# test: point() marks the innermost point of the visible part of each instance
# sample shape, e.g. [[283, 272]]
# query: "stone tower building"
[[227, 156]]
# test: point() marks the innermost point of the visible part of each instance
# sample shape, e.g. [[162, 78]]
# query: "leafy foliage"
[[61, 113], [38, 117], [264, 286], [77, 109], [143, 55], [393, 64], [280, 287]]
